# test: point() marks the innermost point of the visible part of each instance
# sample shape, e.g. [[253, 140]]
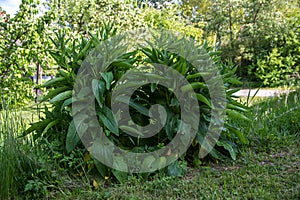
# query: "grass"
[[254, 176], [19, 155], [15, 164], [266, 168]]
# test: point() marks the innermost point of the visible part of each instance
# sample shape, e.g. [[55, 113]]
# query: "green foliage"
[[260, 37], [275, 121], [251, 34], [280, 65], [58, 127], [84, 16], [55, 131], [167, 17], [247, 32], [17, 165], [21, 48]]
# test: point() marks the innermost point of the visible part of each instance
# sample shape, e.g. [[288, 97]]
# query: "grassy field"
[[266, 168]]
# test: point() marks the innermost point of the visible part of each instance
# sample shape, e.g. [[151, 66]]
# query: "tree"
[[246, 30], [84, 16], [279, 64], [22, 46]]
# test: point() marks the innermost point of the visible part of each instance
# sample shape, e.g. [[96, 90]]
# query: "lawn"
[[256, 175]]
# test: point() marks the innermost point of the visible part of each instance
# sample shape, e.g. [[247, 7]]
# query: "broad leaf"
[[55, 92], [121, 176], [203, 99], [66, 103], [37, 126], [72, 138], [228, 147], [54, 81], [106, 116], [102, 169], [98, 91], [50, 125], [61, 96], [235, 114], [141, 109], [108, 78], [239, 134], [130, 129]]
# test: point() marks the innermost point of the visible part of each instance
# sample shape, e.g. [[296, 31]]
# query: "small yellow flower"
[[95, 184], [106, 177]]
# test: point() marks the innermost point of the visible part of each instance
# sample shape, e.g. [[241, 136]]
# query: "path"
[[261, 92]]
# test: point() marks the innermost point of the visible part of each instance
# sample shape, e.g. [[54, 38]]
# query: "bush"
[[281, 65], [58, 125], [22, 39]]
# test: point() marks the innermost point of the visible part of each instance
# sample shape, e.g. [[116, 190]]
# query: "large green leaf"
[[171, 127], [66, 103], [228, 147], [121, 176], [239, 134], [216, 154], [203, 99], [237, 115], [106, 116], [160, 163], [141, 109], [108, 78], [37, 126], [148, 162], [131, 130], [54, 81], [50, 125], [122, 65], [234, 81], [98, 91], [102, 169], [194, 85], [55, 92], [236, 107], [119, 163], [63, 73], [62, 96], [72, 138], [197, 75]]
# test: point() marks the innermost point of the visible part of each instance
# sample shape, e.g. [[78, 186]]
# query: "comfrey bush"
[[140, 102]]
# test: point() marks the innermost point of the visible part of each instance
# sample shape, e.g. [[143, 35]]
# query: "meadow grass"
[[15, 163]]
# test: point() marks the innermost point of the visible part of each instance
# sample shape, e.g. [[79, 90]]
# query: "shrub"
[[58, 125], [281, 65]]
